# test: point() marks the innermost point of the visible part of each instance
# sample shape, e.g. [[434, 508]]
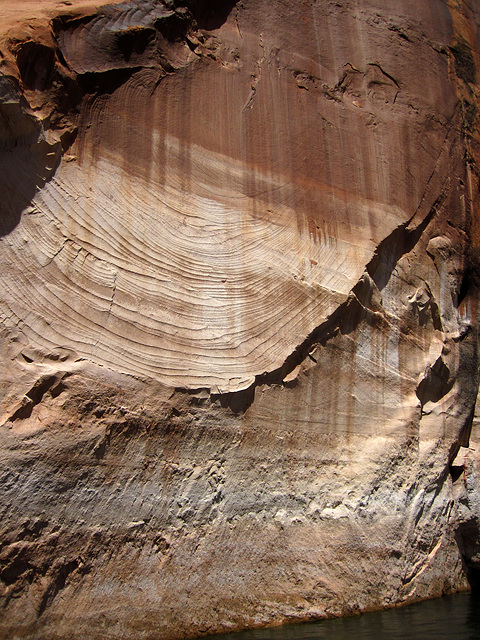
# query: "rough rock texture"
[[239, 292]]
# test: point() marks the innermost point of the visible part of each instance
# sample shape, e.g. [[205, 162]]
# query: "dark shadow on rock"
[[345, 319], [26, 159], [436, 383], [400, 242], [237, 401], [36, 63], [467, 537], [25, 169], [104, 83], [210, 14]]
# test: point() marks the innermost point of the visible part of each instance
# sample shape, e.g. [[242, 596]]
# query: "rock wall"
[[239, 293]]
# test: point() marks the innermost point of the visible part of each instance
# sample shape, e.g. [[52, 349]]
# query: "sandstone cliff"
[[239, 273]]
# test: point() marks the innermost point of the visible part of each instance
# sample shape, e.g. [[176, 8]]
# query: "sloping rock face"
[[239, 294]]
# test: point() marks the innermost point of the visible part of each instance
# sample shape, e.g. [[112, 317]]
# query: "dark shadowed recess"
[[35, 63], [209, 14], [467, 537], [26, 159]]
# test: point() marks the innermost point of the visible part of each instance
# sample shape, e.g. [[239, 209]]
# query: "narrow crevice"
[[465, 66], [387, 75], [105, 82], [35, 395], [469, 284], [57, 583]]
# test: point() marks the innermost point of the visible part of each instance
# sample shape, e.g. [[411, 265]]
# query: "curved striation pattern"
[[223, 200]]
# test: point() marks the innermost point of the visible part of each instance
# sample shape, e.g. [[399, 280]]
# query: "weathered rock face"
[[239, 293]]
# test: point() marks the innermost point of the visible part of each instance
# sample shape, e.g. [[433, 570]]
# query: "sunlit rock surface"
[[239, 275]]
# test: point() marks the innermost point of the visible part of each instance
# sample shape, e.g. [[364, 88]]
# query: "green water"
[[449, 618]]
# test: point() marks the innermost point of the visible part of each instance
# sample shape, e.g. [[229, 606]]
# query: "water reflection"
[[451, 617]]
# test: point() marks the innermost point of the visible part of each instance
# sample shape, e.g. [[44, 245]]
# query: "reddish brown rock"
[[239, 267]]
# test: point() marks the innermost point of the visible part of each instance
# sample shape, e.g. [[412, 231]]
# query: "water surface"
[[454, 617]]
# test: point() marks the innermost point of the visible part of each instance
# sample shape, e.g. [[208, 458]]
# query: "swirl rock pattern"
[[202, 231], [239, 292]]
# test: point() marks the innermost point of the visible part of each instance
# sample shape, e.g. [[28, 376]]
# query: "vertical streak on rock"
[[464, 458], [464, 70]]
